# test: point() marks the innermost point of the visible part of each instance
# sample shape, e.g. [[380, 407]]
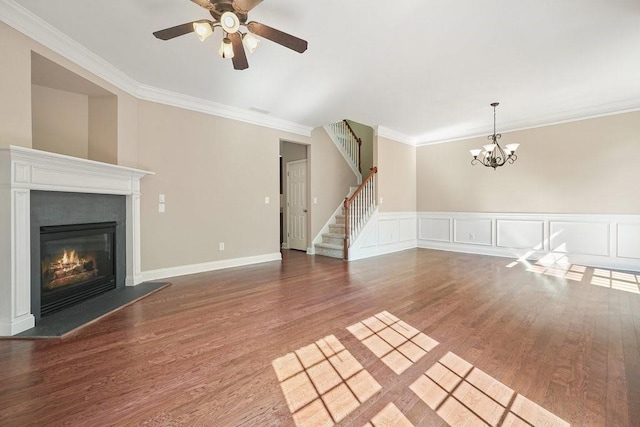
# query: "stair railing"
[[350, 142], [358, 208]]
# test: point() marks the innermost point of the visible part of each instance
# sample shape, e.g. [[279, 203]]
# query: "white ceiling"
[[423, 68]]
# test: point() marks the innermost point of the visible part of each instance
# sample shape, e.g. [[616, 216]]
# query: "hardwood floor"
[[204, 351]]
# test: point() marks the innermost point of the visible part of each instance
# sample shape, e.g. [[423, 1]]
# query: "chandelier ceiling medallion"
[[493, 155]]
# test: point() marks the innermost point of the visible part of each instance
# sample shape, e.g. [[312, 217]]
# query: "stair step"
[[330, 250], [339, 219], [333, 238], [336, 228]]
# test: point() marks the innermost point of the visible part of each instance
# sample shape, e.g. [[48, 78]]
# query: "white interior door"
[[297, 205]]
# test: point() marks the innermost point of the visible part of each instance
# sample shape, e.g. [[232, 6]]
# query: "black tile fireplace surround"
[[50, 210]]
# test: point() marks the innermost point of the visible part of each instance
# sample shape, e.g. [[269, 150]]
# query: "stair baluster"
[[358, 208]]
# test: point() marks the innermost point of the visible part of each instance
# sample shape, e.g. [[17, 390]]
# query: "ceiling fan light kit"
[[250, 42], [493, 155], [203, 29], [231, 15], [226, 49]]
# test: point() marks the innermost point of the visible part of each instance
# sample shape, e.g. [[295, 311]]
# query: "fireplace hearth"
[[77, 262]]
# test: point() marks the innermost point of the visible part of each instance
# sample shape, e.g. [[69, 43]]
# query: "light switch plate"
[[161, 198], [161, 207], [266, 200]]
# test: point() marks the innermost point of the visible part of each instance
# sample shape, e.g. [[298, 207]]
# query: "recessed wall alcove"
[[71, 115]]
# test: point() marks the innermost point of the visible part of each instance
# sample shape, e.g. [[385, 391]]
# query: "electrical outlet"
[[266, 200], [222, 246], [315, 200], [380, 200], [161, 208]]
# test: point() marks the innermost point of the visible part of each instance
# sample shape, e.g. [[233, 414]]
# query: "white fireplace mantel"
[[24, 169]]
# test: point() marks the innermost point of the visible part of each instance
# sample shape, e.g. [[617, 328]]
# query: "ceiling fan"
[[231, 15]]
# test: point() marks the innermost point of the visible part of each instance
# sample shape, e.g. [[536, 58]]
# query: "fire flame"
[[69, 260]]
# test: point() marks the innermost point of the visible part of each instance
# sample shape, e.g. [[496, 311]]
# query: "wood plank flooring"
[[200, 352]]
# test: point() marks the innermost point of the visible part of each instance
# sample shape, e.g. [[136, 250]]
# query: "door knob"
[[304, 210]]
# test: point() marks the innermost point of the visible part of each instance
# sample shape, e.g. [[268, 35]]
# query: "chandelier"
[[493, 155]]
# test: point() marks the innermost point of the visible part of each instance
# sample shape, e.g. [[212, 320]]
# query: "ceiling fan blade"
[[239, 56], [245, 5], [178, 30], [277, 36], [204, 3]]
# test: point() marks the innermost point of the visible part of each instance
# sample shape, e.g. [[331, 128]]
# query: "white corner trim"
[[32, 26], [183, 270], [395, 135]]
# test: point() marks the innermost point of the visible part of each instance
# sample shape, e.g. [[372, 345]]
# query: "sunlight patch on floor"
[[462, 394], [556, 265], [626, 282], [398, 344], [389, 416], [323, 383]]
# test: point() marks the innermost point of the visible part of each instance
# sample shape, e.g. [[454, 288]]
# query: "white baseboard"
[[183, 270], [381, 250]]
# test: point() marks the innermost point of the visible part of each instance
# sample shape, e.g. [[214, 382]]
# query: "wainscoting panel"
[[607, 241], [407, 229], [520, 234], [388, 231], [628, 240], [385, 233], [586, 238], [473, 231], [437, 229]]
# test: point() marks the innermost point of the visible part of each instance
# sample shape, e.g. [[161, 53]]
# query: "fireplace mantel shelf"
[[23, 170], [41, 170]]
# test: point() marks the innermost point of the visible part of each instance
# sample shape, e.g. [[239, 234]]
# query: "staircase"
[[332, 244], [351, 217]]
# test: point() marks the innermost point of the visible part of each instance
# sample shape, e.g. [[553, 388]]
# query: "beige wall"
[[60, 121], [365, 133], [127, 131], [103, 129], [396, 175], [215, 174], [588, 166], [331, 178], [15, 88], [15, 100]]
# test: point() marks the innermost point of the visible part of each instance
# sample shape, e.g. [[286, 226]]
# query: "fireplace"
[[77, 262], [41, 189]]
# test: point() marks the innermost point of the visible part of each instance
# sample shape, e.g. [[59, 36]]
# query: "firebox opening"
[[77, 262]]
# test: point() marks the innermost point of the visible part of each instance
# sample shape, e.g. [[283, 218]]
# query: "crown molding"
[[32, 26], [394, 135], [569, 116], [22, 20], [154, 94]]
